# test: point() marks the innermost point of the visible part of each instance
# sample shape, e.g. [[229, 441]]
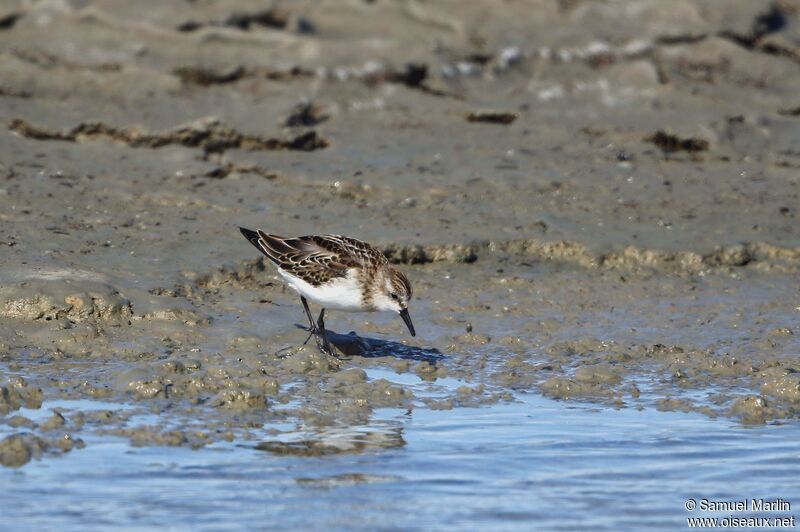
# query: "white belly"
[[341, 294]]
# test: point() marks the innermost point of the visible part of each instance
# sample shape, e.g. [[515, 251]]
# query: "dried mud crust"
[[612, 378], [611, 371], [48, 301], [207, 133], [758, 255]]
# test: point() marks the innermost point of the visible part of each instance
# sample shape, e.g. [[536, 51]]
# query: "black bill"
[[407, 319]]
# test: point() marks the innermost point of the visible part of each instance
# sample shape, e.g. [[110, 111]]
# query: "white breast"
[[342, 294]]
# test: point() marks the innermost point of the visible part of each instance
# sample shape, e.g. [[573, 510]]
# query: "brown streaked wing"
[[305, 258], [355, 250]]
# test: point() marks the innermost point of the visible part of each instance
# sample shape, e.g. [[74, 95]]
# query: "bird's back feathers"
[[316, 259]]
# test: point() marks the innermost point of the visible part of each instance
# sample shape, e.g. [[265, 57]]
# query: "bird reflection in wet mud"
[[340, 440]]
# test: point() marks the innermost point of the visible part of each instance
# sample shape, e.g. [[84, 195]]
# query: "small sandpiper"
[[336, 272]]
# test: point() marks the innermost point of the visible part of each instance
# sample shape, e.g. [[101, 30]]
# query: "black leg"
[[312, 328], [322, 343], [317, 329]]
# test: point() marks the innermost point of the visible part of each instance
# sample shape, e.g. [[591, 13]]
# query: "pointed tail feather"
[[277, 245], [272, 246], [251, 236]]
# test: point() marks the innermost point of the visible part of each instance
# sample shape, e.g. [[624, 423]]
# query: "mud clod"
[[16, 394], [20, 421], [9, 20], [491, 117], [307, 361], [306, 115], [206, 76], [671, 143], [564, 388], [783, 385], [239, 400], [754, 410], [669, 404], [600, 374], [148, 389], [349, 377], [18, 449], [146, 436], [54, 422]]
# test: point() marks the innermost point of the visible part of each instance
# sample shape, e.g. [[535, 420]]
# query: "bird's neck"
[[371, 281]]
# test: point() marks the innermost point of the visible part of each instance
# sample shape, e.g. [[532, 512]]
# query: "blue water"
[[534, 464]]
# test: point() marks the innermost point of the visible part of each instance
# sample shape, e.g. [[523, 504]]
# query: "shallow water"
[[535, 462]]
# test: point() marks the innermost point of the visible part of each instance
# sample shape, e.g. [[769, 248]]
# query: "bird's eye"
[[394, 296]]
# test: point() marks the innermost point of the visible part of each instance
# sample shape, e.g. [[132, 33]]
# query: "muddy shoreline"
[[595, 201]]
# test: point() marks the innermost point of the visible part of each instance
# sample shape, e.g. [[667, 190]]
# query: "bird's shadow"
[[353, 345]]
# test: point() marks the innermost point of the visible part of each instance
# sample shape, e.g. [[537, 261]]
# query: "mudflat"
[[595, 202]]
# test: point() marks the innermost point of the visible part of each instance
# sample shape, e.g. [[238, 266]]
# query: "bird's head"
[[393, 294]]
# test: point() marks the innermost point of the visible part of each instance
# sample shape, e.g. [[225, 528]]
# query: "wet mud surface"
[[604, 216]]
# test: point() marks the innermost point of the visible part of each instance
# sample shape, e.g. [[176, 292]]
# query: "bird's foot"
[[322, 340], [324, 345], [311, 332]]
